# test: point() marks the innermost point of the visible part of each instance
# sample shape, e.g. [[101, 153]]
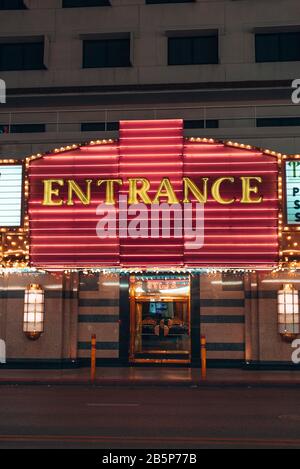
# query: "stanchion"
[[93, 358], [203, 357]]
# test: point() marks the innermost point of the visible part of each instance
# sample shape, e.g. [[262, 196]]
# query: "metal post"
[[93, 359], [203, 357]]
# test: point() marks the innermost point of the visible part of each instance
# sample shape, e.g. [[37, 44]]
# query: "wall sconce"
[[34, 309], [288, 312]]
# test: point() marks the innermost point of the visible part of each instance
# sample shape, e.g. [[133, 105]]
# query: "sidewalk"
[[151, 377]]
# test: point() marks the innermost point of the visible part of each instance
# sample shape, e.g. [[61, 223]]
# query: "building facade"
[[230, 274], [223, 70], [226, 67]]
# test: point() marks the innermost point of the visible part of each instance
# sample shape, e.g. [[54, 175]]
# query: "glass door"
[[160, 320]]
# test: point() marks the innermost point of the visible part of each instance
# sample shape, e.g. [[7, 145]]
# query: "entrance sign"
[[292, 184], [217, 203], [11, 182]]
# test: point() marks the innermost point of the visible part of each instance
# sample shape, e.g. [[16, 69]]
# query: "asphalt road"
[[153, 417]]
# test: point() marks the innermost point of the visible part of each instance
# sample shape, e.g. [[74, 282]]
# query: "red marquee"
[[235, 234]]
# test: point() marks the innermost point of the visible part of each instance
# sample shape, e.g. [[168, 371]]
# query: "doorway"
[[160, 326]]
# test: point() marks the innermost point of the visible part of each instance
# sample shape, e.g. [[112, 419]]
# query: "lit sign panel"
[[154, 199], [11, 177], [292, 184]]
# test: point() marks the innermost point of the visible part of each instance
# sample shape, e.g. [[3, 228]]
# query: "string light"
[[15, 244]]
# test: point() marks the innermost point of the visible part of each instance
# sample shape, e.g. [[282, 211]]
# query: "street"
[[148, 417]]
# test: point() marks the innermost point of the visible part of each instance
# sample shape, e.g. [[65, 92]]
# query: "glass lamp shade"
[[34, 305], [288, 312]]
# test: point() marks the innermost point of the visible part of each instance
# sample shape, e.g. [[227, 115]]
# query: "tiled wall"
[[50, 345], [98, 313], [238, 316], [272, 348], [222, 315]]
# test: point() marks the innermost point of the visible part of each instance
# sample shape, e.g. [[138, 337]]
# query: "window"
[[34, 309], [277, 47], [99, 126], [12, 5], [85, 3], [106, 53], [193, 50], [153, 2], [288, 311], [278, 122], [201, 124], [22, 56], [22, 128]]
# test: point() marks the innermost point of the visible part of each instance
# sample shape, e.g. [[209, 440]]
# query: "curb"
[[144, 383]]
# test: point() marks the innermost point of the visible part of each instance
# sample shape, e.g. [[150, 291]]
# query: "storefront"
[[150, 242]]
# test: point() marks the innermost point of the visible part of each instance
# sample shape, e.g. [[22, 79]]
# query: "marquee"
[[151, 164]]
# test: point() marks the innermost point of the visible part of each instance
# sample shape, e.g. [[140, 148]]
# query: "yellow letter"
[[85, 199], [215, 190], [247, 190], [166, 190], [142, 192], [191, 186], [49, 191], [110, 189]]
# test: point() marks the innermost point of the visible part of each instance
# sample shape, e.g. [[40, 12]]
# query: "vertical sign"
[[292, 184], [11, 177]]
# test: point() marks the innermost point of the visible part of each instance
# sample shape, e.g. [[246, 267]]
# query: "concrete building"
[[225, 66], [210, 69]]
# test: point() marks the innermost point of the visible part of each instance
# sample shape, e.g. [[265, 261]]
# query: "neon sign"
[[139, 189], [153, 164]]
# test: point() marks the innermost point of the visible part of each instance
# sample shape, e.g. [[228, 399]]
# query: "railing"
[[70, 120]]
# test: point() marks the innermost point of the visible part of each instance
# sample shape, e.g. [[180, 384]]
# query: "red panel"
[[153, 150], [235, 234], [66, 236]]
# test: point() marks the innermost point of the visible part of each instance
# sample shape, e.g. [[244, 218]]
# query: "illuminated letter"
[[49, 192], [142, 192], [215, 190], [247, 190], [110, 190], [166, 190], [191, 186], [85, 199]]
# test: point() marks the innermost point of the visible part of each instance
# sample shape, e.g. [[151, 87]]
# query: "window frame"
[[22, 7], [84, 5], [23, 45], [279, 35], [193, 37], [106, 39]]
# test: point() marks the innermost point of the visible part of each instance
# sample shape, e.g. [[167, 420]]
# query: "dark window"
[[153, 2], [201, 124], [85, 3], [278, 122], [106, 53], [24, 56], [22, 128], [12, 5], [277, 47], [193, 50], [99, 126]]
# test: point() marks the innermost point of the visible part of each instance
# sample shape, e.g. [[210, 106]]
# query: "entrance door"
[[160, 319]]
